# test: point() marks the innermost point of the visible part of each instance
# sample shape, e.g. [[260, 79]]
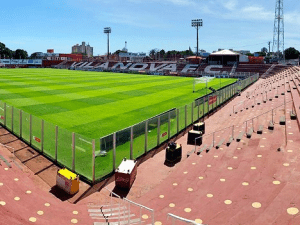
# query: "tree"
[[152, 53], [119, 51], [162, 53], [291, 53], [4, 51], [262, 53], [20, 54], [33, 56], [264, 49]]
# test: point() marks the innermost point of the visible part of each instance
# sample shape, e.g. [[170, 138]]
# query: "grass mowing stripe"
[[50, 91], [91, 114], [123, 90]]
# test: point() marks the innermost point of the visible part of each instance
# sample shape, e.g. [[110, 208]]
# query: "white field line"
[[79, 148], [85, 141]]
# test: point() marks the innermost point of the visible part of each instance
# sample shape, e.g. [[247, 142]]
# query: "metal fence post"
[[146, 135], [158, 130], [131, 142], [208, 104], [203, 108], [4, 114], [233, 131], [192, 116], [114, 150], [42, 137], [177, 120], [20, 123], [73, 151], [169, 124], [272, 116], [56, 142], [12, 119], [198, 110], [93, 160], [185, 108], [30, 128]]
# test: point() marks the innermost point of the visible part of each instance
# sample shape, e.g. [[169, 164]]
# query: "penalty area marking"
[[81, 139], [79, 148]]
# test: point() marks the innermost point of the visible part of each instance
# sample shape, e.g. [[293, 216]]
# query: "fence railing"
[[175, 218], [98, 158], [140, 208]]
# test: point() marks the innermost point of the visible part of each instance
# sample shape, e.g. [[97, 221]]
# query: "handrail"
[[246, 120], [141, 206], [111, 194], [183, 219], [145, 207], [8, 147]]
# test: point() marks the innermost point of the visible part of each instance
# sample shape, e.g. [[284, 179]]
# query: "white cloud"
[[230, 5], [293, 18], [175, 2]]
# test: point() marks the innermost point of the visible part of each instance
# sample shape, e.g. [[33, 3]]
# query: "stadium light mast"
[[197, 23], [107, 30], [278, 34]]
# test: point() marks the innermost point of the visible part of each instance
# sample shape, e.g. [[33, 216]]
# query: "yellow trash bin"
[[67, 181]]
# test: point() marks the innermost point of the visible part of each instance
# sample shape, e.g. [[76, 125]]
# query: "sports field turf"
[[91, 104]]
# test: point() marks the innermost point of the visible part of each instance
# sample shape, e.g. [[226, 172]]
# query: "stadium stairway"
[[250, 181], [25, 198]]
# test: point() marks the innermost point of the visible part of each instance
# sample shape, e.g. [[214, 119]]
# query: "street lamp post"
[[197, 23], [107, 30]]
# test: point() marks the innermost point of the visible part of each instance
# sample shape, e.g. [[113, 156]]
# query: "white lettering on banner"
[[153, 68], [208, 69], [171, 67], [88, 65], [83, 65], [141, 66], [21, 61], [5, 61], [78, 64], [189, 67], [104, 66], [122, 67]]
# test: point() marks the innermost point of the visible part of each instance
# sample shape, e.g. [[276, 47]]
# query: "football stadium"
[[169, 137]]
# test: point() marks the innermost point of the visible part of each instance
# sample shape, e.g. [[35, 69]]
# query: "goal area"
[[200, 83]]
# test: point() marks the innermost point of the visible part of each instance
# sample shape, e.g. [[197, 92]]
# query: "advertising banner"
[[21, 61], [212, 99]]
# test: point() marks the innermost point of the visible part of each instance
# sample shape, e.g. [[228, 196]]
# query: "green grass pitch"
[[93, 105]]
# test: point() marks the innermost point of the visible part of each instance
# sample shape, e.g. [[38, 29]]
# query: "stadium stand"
[[253, 181]]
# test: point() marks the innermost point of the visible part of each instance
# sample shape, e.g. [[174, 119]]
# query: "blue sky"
[[144, 24]]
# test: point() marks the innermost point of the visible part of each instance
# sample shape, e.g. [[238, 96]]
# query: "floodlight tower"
[[107, 30], [197, 23], [278, 35]]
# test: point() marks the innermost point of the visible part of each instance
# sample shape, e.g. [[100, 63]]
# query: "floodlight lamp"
[[107, 30], [197, 23]]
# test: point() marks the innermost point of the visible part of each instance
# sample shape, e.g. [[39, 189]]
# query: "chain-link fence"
[[95, 159]]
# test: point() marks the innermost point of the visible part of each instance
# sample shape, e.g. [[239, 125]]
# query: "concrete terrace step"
[[105, 210], [134, 221], [113, 218]]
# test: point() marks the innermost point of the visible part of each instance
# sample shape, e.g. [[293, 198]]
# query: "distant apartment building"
[[84, 49]]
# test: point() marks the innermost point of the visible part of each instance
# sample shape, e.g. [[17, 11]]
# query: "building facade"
[[83, 49]]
